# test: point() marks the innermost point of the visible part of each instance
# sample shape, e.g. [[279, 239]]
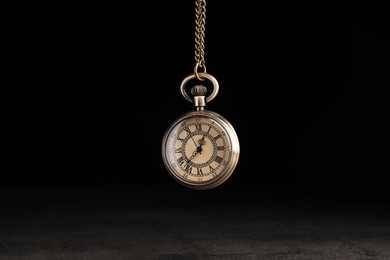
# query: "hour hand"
[[194, 154], [201, 141]]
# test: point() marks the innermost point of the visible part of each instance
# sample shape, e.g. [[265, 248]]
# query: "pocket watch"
[[200, 149]]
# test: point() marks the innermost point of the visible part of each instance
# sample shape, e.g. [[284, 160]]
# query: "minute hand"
[[194, 141]]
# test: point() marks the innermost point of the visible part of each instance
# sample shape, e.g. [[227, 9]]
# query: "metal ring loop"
[[197, 65], [204, 76]]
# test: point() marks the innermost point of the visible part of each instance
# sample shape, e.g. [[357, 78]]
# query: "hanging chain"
[[200, 22]]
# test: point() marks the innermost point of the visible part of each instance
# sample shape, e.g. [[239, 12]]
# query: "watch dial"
[[198, 150]]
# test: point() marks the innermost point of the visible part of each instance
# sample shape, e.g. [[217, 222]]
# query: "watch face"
[[200, 149]]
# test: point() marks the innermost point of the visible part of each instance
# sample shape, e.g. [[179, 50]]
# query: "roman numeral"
[[199, 171], [188, 168], [182, 161], [209, 128], [212, 171], [217, 137], [218, 159], [198, 126], [221, 148], [187, 130]]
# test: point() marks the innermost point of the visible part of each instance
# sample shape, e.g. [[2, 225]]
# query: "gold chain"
[[200, 22]]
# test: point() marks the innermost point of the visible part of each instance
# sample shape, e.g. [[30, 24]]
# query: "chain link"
[[200, 22]]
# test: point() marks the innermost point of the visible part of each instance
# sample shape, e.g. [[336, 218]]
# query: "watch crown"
[[199, 92]]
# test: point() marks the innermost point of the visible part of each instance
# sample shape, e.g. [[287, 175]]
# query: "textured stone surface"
[[117, 223]]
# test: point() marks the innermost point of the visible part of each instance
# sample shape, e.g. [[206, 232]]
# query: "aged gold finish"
[[200, 149], [200, 27], [209, 77]]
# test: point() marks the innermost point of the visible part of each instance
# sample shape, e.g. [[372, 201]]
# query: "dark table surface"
[[120, 221]]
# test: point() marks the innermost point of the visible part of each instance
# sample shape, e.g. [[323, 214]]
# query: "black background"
[[304, 86], [89, 90]]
